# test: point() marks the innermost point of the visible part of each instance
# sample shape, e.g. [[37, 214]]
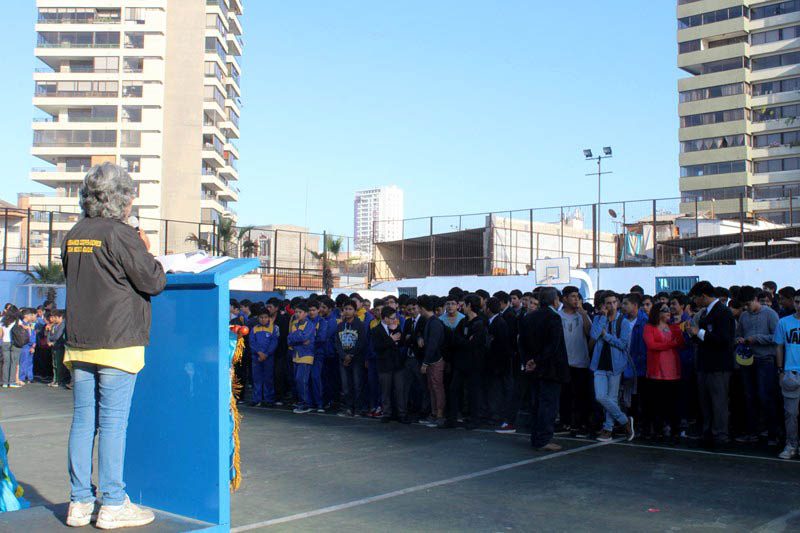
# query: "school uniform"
[[264, 339], [301, 348], [26, 355], [320, 343]]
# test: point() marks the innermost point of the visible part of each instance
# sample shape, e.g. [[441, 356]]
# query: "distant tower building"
[[384, 205]]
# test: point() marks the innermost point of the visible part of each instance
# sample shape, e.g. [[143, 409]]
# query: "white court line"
[[30, 418], [410, 490], [622, 442], [779, 524]]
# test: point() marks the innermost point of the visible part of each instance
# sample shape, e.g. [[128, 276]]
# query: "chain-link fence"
[[290, 257], [663, 231]]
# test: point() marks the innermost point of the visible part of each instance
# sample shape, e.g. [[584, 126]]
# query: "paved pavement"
[[324, 473]]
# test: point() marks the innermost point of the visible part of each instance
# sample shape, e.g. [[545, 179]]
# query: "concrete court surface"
[[324, 473]]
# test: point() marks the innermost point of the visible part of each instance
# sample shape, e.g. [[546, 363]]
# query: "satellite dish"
[[612, 213]]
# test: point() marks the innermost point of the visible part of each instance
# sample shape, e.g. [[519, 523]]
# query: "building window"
[[135, 14], [133, 64], [779, 60], [725, 167], [776, 192], [131, 163], [779, 86], [134, 39], [713, 143], [717, 91], [774, 9], [774, 113], [131, 139], [704, 119], [132, 89], [721, 193], [689, 46], [724, 65], [131, 114], [774, 140], [777, 165], [711, 17]]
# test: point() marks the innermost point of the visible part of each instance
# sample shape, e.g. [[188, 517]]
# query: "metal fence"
[[290, 258], [663, 231]]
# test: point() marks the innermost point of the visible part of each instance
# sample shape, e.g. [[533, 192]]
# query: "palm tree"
[[202, 244], [52, 274], [331, 247], [248, 246]]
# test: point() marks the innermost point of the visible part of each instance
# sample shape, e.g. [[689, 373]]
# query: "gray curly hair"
[[106, 192]]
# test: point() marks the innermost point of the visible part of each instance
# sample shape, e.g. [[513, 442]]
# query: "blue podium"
[[178, 452]]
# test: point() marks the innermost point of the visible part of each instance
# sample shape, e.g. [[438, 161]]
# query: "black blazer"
[[715, 353], [410, 336], [388, 354], [542, 339], [499, 361]]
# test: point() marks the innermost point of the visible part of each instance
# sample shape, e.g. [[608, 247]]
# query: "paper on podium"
[[190, 262]]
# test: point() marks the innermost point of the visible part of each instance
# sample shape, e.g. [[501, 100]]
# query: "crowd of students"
[[32, 345], [714, 365]]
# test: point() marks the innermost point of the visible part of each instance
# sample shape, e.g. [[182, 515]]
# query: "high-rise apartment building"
[[384, 205], [739, 134], [152, 85]]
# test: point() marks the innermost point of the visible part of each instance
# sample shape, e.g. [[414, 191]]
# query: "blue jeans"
[[760, 394], [545, 395], [606, 392], [102, 401]]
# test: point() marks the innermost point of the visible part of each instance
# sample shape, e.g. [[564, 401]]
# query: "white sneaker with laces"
[[788, 452], [125, 515], [80, 514]]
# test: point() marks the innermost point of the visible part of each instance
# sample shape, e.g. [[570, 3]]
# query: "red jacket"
[[663, 359]]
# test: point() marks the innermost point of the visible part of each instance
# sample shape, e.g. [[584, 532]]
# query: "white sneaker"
[[788, 452], [125, 515], [80, 514]]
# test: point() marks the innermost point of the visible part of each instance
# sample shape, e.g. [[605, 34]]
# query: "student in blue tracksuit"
[[301, 347], [26, 354], [331, 380], [635, 383], [320, 340], [264, 337]]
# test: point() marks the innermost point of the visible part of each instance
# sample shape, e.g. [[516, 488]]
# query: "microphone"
[[133, 222]]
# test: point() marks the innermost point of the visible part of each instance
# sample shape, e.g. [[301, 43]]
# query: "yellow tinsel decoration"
[[236, 388]]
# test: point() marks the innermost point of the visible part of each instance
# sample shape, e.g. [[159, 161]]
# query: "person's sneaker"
[[605, 436], [426, 421], [746, 439], [788, 452], [14, 386], [432, 423], [582, 433], [125, 515], [80, 514], [551, 447], [301, 410], [345, 412], [378, 412], [321, 411], [278, 404], [629, 429], [505, 428]]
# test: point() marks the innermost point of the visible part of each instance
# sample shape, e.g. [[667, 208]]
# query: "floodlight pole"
[[599, 175]]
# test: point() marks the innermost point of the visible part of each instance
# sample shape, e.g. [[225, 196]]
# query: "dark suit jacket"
[[542, 339], [387, 352], [513, 326], [715, 353], [410, 336], [499, 361]]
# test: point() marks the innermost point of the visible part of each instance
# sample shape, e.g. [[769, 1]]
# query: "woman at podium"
[[111, 276]]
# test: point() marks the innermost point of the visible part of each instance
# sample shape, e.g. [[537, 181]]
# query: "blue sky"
[[467, 105]]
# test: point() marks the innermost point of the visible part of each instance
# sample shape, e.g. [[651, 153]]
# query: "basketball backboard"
[[554, 271]]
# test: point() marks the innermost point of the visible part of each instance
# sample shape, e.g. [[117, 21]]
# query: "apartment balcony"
[[772, 73], [211, 203], [211, 180], [229, 172], [736, 153], [233, 149], [730, 27], [212, 157], [217, 6], [781, 150], [734, 179], [718, 207], [233, 60], [50, 175], [712, 80], [733, 127], [692, 61], [774, 22], [229, 194], [235, 44], [233, 83], [230, 129], [235, 24], [710, 105], [788, 45], [233, 103], [777, 124]]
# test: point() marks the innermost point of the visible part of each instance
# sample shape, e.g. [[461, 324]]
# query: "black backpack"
[[20, 336]]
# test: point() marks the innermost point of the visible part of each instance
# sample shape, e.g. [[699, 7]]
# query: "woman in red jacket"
[[663, 341]]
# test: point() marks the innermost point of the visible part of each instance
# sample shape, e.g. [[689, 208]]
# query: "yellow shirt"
[[129, 359]]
